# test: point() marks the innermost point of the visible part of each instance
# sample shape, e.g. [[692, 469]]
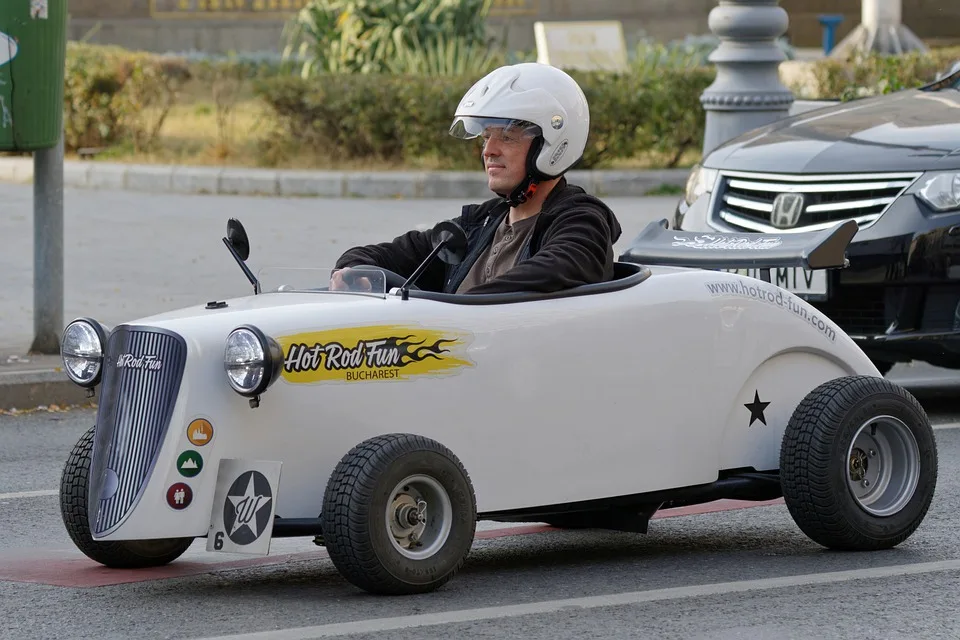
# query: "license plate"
[[811, 285]]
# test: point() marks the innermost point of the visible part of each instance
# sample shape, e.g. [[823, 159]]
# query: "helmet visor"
[[504, 129]]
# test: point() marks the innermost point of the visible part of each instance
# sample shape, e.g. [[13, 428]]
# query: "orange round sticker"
[[200, 432]]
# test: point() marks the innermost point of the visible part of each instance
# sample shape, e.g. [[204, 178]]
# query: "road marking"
[[28, 494], [589, 602]]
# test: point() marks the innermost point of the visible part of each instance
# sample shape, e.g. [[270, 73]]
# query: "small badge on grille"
[[179, 496]]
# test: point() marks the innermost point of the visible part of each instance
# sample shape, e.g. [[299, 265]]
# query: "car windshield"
[[365, 280]]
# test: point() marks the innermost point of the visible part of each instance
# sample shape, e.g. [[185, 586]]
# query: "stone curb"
[[26, 390], [323, 184]]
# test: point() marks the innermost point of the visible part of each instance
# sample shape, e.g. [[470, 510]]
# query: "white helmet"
[[535, 96]]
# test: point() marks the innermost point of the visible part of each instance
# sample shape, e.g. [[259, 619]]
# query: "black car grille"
[[745, 201], [143, 368], [858, 310]]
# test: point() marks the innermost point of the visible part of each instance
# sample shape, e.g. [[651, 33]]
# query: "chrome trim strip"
[[748, 204], [821, 177], [849, 204], [746, 223], [814, 188]]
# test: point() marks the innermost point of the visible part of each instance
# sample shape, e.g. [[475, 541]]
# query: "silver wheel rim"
[[883, 466], [419, 517]]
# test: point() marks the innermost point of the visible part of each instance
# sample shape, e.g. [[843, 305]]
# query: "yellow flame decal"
[[368, 354]]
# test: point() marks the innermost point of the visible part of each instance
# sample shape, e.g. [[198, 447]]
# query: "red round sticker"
[[179, 496]]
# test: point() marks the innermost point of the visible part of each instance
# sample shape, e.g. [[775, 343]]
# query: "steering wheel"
[[393, 279]]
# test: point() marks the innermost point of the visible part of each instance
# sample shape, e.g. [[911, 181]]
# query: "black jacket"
[[571, 244]]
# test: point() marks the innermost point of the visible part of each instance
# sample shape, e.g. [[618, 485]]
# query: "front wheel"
[[858, 464], [122, 554], [399, 515]]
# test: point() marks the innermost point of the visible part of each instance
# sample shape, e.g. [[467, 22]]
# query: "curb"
[[26, 390], [319, 184]]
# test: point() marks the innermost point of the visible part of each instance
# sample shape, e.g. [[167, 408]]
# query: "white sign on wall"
[[592, 45]]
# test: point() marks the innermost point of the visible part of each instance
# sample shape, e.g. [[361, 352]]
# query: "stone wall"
[[255, 25]]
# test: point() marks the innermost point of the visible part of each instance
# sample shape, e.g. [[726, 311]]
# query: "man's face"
[[505, 157]]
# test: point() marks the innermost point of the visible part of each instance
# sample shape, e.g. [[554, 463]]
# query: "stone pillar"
[[747, 92], [881, 30]]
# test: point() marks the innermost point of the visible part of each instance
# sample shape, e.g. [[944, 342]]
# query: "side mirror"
[[454, 240], [239, 247], [237, 237]]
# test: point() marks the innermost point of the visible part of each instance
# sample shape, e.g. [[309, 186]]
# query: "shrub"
[[876, 74], [405, 118], [111, 94], [364, 36]]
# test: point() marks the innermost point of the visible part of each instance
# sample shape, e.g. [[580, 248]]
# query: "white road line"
[[592, 602], [28, 494]]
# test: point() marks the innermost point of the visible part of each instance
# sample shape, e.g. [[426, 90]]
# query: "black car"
[[892, 163]]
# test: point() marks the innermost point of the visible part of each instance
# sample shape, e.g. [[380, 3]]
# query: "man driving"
[[540, 233]]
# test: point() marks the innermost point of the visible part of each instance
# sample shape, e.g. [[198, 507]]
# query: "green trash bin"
[[33, 43]]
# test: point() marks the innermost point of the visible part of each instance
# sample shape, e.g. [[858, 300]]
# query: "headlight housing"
[[81, 351], [941, 192], [252, 360], [699, 182]]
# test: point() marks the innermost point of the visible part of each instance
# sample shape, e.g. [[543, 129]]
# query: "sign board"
[[594, 45]]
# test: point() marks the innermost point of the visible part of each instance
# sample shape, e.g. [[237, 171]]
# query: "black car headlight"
[[81, 350], [252, 360], [940, 191]]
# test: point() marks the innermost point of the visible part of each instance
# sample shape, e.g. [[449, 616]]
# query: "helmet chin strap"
[[528, 186]]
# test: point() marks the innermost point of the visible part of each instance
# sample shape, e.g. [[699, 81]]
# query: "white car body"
[[387, 423], [545, 402]]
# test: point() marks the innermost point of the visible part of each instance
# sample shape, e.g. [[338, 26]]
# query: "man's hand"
[[344, 280]]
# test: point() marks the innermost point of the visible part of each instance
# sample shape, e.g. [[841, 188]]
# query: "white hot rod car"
[[384, 421]]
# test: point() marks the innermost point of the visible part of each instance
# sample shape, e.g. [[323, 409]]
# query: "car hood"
[[907, 131]]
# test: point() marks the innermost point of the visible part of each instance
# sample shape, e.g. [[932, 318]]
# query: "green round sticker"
[[189, 463]]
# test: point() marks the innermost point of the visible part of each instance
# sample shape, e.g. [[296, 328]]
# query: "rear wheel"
[[399, 515], [122, 554], [858, 464]]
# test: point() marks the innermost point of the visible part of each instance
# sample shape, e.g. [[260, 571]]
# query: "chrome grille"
[[135, 406], [745, 201]]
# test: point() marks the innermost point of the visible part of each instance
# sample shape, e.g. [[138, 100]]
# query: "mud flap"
[[244, 506]]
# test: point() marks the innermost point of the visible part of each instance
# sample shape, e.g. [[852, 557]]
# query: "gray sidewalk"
[[329, 184]]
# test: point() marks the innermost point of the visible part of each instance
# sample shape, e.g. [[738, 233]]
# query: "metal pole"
[[747, 92], [881, 30], [48, 317]]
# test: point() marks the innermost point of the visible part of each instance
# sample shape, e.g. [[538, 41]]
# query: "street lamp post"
[[747, 92], [881, 30]]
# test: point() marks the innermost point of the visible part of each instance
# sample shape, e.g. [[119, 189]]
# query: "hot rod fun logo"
[[371, 353]]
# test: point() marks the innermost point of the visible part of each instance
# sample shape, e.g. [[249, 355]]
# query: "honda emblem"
[[787, 208]]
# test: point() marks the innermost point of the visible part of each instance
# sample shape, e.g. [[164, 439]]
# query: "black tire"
[[816, 460], [123, 554], [355, 525]]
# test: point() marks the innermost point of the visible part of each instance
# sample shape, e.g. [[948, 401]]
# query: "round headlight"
[[251, 360], [81, 350]]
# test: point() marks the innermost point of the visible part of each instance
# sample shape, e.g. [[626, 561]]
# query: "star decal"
[[756, 409], [246, 507]]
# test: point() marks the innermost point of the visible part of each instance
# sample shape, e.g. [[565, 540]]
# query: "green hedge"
[[653, 109], [404, 118]]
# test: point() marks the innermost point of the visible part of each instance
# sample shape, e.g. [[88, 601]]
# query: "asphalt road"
[[129, 254], [746, 573]]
